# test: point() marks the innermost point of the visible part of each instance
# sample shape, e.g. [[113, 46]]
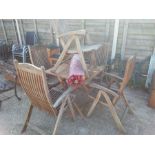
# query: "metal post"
[[22, 31], [125, 32], [18, 32], [55, 28], [116, 28], [15, 30]]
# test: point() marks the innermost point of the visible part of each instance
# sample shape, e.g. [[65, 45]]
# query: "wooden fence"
[[134, 36]]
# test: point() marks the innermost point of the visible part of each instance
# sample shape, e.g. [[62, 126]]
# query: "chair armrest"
[[60, 99], [114, 76], [94, 85]]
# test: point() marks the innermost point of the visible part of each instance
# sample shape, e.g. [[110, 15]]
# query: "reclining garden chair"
[[22, 50], [111, 96], [33, 81], [39, 57]]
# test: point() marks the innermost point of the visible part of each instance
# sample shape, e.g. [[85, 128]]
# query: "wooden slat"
[[94, 85]]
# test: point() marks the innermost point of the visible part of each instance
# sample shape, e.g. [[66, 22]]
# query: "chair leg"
[[71, 108], [126, 103], [114, 101], [59, 116], [113, 112], [24, 57], [27, 118], [125, 113], [94, 104], [79, 111], [16, 89], [77, 108]]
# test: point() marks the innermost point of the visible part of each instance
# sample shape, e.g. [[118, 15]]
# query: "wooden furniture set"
[[56, 99]]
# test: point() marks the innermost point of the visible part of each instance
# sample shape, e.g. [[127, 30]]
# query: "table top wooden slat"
[[63, 70]]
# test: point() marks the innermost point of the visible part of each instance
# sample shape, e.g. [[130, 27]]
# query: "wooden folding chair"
[[33, 81], [98, 57], [111, 96], [73, 36]]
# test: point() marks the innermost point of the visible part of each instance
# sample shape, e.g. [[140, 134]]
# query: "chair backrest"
[[100, 56], [31, 38], [16, 47], [25, 49], [33, 81], [128, 72], [66, 36], [73, 37], [39, 56]]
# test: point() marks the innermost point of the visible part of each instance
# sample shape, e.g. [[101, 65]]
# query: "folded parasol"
[[76, 72]]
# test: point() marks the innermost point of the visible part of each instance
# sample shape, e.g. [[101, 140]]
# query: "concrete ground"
[[12, 115]]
